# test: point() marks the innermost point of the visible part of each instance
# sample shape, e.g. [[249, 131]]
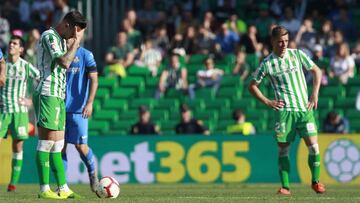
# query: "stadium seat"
[[344, 103], [229, 92], [115, 104], [355, 125], [149, 102], [117, 132], [244, 103], [256, 114], [352, 114], [134, 82], [253, 61], [157, 115], [102, 94], [225, 67], [129, 115], [259, 125], [110, 83], [325, 103], [124, 93], [197, 58], [195, 104], [98, 126], [205, 93], [108, 115], [141, 71], [193, 68], [231, 81], [168, 103], [351, 91], [96, 105], [211, 115], [152, 82], [225, 114], [217, 104], [124, 125], [223, 124], [353, 82], [168, 125], [332, 91]]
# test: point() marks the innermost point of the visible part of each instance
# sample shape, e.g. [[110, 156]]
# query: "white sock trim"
[[44, 188], [45, 145], [18, 155], [58, 146], [314, 149]]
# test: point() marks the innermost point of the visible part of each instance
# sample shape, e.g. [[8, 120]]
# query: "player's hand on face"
[[277, 104], [87, 111]]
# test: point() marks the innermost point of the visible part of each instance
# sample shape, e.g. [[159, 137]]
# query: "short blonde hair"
[[278, 31]]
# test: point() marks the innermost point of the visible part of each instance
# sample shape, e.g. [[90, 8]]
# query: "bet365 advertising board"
[[198, 159]]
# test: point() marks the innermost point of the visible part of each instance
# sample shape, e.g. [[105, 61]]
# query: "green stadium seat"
[[168, 103], [96, 105], [352, 114], [108, 115], [117, 132], [124, 93], [229, 92], [217, 104], [353, 82], [134, 82], [225, 114], [197, 58], [141, 71], [211, 115], [98, 126], [94, 133], [231, 81], [110, 83], [168, 125], [129, 115], [256, 114], [244, 103], [205, 93], [259, 125], [115, 104], [352, 91], [148, 92], [225, 67], [192, 79], [332, 91], [223, 124], [195, 104], [102, 94], [345, 103], [123, 125], [253, 61], [325, 103], [355, 126], [210, 124], [157, 115], [149, 102], [193, 68], [152, 82]]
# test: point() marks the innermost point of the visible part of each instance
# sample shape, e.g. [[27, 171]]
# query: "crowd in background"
[[155, 30]]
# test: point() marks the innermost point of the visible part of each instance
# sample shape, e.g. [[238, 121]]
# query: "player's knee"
[[45, 145], [58, 146], [284, 151], [314, 149]]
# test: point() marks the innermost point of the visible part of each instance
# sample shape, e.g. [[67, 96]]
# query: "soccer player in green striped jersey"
[[55, 52], [294, 111], [13, 104]]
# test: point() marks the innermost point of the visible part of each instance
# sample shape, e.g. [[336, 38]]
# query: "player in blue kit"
[[81, 86]]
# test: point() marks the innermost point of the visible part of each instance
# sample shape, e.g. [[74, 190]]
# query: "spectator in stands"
[[250, 41], [177, 45], [205, 41], [306, 36], [342, 65], [335, 123], [173, 19], [355, 54], [241, 126], [190, 40], [174, 76], [187, 20], [210, 76], [263, 23], [149, 57], [227, 39], [236, 25], [61, 9], [322, 62], [4, 33], [290, 22], [224, 9], [144, 126], [326, 36], [209, 21], [30, 53], [338, 39], [344, 23], [161, 40], [120, 56], [241, 68], [188, 124], [133, 35], [148, 17], [40, 13]]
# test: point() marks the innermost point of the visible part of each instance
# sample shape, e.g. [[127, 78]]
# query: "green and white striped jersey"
[[17, 75], [287, 77], [53, 77]]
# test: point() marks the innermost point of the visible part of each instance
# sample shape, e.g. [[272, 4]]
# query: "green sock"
[[42, 162], [284, 170], [58, 168], [16, 165], [314, 165]]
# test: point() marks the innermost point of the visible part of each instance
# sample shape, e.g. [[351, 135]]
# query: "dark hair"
[[143, 109], [184, 108], [75, 18], [237, 114], [17, 37], [279, 31]]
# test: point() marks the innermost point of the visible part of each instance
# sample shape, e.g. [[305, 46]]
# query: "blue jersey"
[[1, 54], [77, 81]]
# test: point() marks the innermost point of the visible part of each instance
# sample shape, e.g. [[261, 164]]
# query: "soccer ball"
[[342, 160], [108, 187]]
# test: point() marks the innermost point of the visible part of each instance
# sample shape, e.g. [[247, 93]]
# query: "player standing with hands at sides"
[[284, 68], [81, 86], [14, 106], [55, 52]]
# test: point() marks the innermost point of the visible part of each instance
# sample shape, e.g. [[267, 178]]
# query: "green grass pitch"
[[197, 193]]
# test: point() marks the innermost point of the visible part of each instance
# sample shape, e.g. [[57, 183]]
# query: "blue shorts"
[[76, 129]]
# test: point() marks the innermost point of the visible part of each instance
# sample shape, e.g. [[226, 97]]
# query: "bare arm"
[[87, 111], [184, 78], [316, 87], [162, 80], [256, 92], [2, 72], [67, 58]]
